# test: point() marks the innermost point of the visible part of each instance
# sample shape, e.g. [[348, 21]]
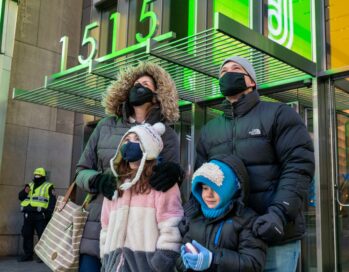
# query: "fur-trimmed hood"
[[166, 92]]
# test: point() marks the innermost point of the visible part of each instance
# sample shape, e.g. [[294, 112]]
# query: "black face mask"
[[38, 180], [140, 95], [232, 83]]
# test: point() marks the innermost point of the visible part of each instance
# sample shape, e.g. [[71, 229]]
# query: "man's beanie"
[[151, 145], [244, 63], [222, 179]]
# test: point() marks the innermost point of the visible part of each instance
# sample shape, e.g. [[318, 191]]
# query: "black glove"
[[26, 188], [270, 226], [106, 184], [24, 193], [165, 175]]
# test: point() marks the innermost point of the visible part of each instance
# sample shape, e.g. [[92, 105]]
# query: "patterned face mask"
[[131, 151]]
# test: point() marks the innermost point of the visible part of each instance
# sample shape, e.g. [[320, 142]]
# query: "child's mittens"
[[200, 261], [183, 252], [191, 249]]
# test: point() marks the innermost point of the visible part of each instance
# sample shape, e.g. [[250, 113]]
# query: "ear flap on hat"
[[116, 159]]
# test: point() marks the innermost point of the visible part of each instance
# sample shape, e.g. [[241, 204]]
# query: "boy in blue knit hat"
[[218, 229]]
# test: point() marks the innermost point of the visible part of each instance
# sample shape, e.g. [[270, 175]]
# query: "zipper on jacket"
[[205, 236], [234, 134], [218, 234], [234, 125]]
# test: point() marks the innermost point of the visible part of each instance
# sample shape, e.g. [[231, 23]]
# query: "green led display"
[[238, 10], [290, 24], [2, 15]]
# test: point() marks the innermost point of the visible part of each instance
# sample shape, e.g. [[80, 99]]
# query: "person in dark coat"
[[274, 144], [219, 230], [141, 94]]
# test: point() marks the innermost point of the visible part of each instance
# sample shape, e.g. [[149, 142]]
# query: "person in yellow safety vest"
[[37, 204]]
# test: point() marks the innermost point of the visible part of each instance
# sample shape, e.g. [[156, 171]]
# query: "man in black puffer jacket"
[[277, 150]]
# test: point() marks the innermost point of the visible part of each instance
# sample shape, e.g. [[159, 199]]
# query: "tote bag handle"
[[67, 195]]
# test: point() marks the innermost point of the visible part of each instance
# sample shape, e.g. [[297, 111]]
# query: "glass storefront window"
[[342, 194], [183, 129]]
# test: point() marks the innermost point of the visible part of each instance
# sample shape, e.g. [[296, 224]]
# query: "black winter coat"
[[229, 237], [277, 150], [231, 241]]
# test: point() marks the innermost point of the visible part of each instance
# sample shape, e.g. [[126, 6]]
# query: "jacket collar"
[[38, 183], [153, 116], [242, 106]]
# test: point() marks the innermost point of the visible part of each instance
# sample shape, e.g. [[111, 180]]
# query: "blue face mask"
[[131, 151]]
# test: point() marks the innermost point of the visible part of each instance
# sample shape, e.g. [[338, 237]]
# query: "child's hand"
[[200, 261], [183, 252], [191, 249]]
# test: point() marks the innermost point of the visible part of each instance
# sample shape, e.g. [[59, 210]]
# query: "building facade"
[[58, 57]]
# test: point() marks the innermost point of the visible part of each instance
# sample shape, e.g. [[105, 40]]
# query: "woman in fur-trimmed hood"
[[166, 92], [141, 94]]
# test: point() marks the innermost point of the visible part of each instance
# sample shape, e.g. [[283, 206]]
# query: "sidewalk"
[[10, 264]]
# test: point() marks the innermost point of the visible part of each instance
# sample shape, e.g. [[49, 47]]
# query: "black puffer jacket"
[[95, 159], [229, 237], [276, 148]]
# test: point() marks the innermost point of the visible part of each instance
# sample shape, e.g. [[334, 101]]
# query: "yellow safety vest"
[[38, 198]]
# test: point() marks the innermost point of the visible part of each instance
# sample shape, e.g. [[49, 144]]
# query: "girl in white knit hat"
[[140, 225]]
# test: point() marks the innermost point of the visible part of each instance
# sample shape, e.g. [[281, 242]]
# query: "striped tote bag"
[[59, 244]]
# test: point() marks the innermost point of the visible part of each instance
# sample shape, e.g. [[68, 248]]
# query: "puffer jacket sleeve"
[[169, 212], [250, 256], [295, 152], [170, 152], [87, 167]]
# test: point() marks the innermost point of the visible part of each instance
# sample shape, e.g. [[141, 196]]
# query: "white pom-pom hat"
[[151, 145]]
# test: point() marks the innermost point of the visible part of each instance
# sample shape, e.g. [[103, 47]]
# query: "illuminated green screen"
[[239, 10], [2, 12], [290, 24]]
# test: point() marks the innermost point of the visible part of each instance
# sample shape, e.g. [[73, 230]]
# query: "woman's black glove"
[[165, 175], [105, 183]]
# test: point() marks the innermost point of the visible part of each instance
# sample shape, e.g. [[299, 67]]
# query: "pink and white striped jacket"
[[140, 231]]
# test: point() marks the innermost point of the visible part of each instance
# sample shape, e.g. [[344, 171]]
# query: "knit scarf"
[[214, 212]]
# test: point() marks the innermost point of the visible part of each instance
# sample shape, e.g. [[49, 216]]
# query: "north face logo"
[[255, 131]]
